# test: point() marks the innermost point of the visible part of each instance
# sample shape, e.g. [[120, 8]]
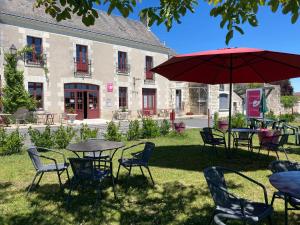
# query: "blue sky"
[[199, 32]]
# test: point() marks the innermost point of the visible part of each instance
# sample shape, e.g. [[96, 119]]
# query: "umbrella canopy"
[[248, 65], [231, 65]]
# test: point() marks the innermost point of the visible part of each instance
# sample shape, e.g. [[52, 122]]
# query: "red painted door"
[[93, 106], [79, 105], [149, 101]]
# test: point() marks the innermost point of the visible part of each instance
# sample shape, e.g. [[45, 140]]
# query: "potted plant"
[[179, 127], [71, 117], [223, 123]]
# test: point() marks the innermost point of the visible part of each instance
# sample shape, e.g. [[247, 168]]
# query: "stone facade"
[[59, 46]]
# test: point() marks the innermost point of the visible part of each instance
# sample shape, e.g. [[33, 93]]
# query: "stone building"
[[94, 71], [89, 70]]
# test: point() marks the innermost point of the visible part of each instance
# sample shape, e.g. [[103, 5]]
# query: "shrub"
[[86, 132], [175, 134], [10, 143], [150, 128], [43, 139], [287, 117], [238, 120], [112, 132], [216, 119], [133, 132], [165, 127], [271, 115], [63, 136]]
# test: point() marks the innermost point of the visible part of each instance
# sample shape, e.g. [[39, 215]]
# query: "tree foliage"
[[288, 101], [14, 93], [233, 13], [286, 87]]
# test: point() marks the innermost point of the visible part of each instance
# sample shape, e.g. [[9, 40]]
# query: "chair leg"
[[212, 218], [142, 171], [32, 183], [127, 178], [72, 184], [273, 199], [285, 210], [270, 220], [285, 153], [40, 179], [150, 175], [258, 151], [277, 154], [118, 172], [113, 185], [59, 179], [68, 175]]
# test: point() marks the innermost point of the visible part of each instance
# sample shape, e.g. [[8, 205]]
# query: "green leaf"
[[240, 30], [229, 36], [63, 2], [294, 18], [253, 21]]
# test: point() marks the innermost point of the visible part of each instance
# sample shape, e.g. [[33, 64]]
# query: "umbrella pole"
[[230, 102]]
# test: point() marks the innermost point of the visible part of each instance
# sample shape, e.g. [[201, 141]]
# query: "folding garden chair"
[[230, 207], [138, 159], [42, 168]]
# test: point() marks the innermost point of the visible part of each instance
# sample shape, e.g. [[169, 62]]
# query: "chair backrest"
[[21, 113], [283, 166], [283, 139], [244, 135], [147, 152], [35, 158], [207, 132], [216, 181], [82, 168]]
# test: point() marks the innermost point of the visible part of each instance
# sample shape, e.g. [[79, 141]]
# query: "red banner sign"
[[253, 97]]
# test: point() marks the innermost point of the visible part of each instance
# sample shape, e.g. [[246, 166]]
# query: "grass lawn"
[[180, 195]]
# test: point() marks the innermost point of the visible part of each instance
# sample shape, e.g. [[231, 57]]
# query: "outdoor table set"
[[93, 154]]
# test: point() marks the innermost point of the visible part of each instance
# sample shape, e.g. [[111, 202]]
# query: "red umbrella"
[[231, 65]]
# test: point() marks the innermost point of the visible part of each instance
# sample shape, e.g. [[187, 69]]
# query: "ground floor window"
[[149, 101], [36, 92], [123, 97], [223, 102]]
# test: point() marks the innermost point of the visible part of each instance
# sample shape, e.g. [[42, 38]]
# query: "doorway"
[[82, 99], [149, 101], [178, 100]]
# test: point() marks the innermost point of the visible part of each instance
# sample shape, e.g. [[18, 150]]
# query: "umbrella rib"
[[277, 61], [255, 71], [203, 61], [248, 62]]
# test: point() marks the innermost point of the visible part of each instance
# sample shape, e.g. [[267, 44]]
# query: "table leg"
[[285, 209], [76, 154]]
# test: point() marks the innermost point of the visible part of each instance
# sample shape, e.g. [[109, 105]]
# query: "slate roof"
[[109, 26]]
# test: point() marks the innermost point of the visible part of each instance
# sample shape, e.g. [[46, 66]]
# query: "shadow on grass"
[[193, 157], [139, 204]]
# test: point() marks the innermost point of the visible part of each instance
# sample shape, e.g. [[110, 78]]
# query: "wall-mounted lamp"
[[13, 49]]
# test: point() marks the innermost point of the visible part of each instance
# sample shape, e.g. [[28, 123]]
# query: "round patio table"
[[246, 130], [94, 145], [288, 183]]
